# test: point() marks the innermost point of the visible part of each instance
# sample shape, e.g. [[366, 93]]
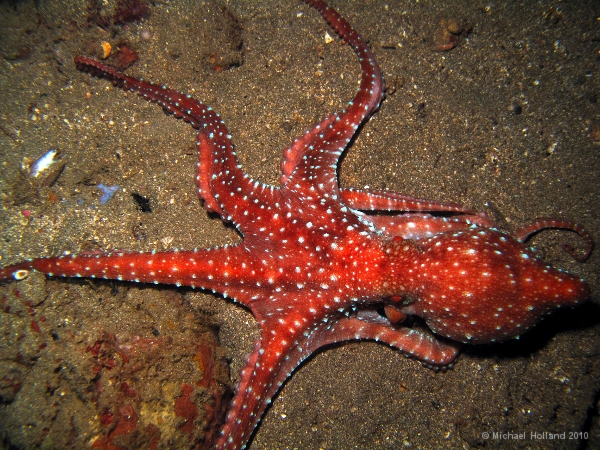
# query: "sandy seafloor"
[[507, 122]]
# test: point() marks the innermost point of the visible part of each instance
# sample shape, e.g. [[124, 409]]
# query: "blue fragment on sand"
[[109, 191]]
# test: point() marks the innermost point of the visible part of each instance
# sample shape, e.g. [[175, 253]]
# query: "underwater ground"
[[491, 104]]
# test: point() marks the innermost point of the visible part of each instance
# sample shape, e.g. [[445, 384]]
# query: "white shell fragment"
[[43, 163]]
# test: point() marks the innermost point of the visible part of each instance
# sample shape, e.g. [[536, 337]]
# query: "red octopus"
[[313, 267]]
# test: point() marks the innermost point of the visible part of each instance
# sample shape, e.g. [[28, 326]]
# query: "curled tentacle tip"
[[577, 256]]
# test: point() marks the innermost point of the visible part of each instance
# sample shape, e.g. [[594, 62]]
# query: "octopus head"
[[481, 285]]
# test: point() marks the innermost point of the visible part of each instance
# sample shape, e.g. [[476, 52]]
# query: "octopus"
[[320, 264]]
